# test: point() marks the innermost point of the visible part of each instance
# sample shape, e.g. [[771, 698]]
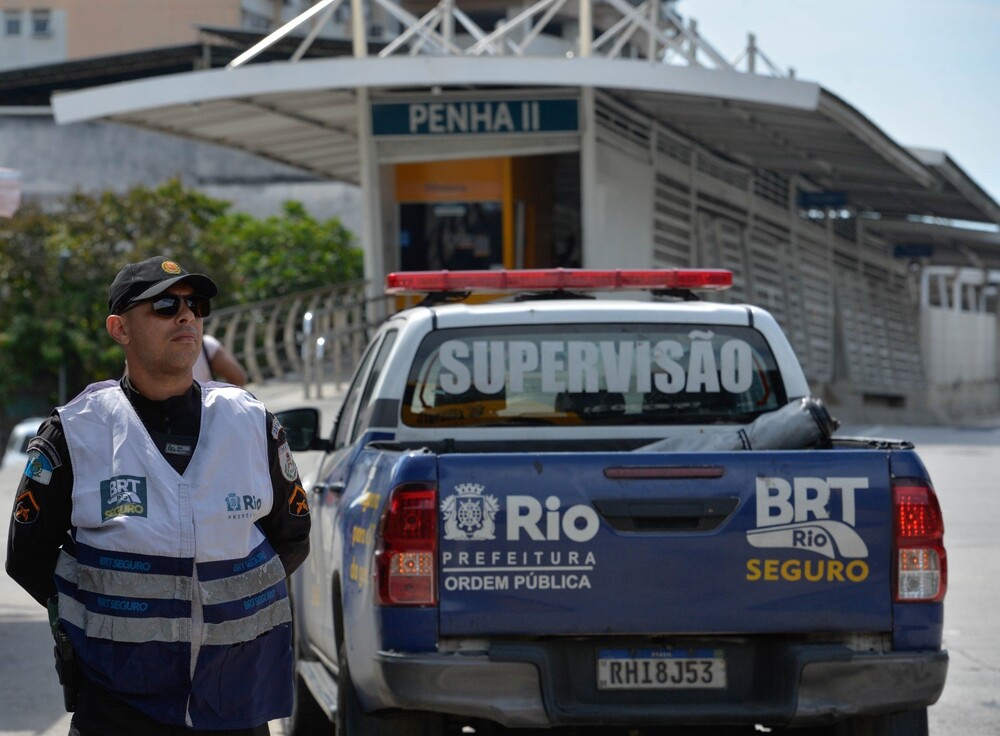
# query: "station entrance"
[[488, 213]]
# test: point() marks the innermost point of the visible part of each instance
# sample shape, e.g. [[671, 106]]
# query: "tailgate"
[[747, 542]]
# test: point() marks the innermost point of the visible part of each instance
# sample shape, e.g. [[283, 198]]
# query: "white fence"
[[960, 339], [316, 335], [959, 347]]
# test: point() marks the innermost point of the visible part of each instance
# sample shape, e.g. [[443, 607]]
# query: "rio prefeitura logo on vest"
[[123, 495]]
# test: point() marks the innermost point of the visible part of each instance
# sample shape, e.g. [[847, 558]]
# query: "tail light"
[[921, 564], [406, 556]]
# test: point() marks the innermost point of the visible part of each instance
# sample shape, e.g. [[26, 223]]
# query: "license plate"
[[660, 669]]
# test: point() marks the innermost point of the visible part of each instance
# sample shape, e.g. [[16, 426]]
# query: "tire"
[[351, 719], [907, 723]]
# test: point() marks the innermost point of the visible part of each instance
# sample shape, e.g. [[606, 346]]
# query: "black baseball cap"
[[146, 279]]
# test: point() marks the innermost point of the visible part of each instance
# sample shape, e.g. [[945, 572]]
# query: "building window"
[[41, 23], [256, 22], [12, 22]]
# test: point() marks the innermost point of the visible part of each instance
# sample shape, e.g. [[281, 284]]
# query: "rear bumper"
[[870, 684], [509, 693], [553, 684]]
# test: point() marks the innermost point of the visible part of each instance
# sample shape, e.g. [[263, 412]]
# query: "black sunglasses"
[[168, 305]]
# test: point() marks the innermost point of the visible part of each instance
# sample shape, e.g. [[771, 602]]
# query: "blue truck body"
[[570, 577]]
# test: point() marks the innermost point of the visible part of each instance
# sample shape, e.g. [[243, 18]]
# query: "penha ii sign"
[[475, 117]]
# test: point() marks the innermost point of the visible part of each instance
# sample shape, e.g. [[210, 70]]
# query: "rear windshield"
[[591, 375]]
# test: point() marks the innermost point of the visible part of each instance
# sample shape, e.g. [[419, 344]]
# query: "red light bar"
[[558, 279]]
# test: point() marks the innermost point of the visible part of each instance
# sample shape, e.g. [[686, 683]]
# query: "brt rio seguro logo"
[[813, 515]]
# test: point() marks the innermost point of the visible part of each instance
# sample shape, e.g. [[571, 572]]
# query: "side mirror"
[[302, 427]]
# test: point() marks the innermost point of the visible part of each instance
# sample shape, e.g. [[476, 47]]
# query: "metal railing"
[[649, 29], [334, 338], [315, 336]]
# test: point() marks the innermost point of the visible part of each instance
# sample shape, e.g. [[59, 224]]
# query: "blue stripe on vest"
[[130, 562], [152, 677], [261, 554], [65, 587], [232, 690], [114, 605], [233, 610]]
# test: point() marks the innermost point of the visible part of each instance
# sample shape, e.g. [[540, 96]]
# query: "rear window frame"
[[491, 414]]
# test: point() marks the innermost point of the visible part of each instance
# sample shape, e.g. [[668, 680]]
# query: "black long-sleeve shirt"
[[43, 504]]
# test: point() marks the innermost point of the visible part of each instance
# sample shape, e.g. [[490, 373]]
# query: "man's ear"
[[117, 328]]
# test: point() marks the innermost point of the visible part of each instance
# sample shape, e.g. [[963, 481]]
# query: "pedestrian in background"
[[159, 519], [215, 363]]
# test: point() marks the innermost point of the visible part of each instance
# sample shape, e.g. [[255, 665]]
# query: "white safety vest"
[[172, 596]]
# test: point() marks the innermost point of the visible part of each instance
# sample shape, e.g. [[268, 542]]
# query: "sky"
[[927, 72]]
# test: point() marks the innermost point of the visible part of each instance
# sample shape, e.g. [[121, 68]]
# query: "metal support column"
[[589, 211], [371, 201]]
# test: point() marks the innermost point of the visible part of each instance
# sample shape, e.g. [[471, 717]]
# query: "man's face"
[[163, 344]]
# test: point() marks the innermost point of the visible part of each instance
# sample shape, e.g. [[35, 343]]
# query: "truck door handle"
[[334, 487], [666, 515]]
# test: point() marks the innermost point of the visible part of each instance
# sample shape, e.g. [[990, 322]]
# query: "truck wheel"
[[907, 723], [353, 721], [307, 718]]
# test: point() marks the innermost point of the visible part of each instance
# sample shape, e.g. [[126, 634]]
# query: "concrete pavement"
[[280, 394]]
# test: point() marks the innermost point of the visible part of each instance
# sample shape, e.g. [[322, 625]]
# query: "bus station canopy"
[[304, 114]]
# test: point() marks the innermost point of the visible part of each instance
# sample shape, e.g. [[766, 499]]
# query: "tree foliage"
[[283, 255], [56, 267]]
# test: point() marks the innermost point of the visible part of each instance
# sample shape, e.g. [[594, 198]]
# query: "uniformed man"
[[160, 518]]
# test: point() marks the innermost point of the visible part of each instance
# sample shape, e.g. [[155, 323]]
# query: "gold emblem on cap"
[[170, 267]]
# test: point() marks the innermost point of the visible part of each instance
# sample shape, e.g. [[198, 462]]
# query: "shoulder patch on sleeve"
[[39, 467], [275, 428], [288, 467], [298, 504], [25, 508], [46, 448]]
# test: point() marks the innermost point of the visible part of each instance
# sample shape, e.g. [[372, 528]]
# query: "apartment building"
[[35, 32], [48, 45]]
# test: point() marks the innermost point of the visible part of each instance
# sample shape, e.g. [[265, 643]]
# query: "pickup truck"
[[560, 509]]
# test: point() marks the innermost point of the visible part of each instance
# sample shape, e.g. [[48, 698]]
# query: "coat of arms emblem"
[[469, 513]]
